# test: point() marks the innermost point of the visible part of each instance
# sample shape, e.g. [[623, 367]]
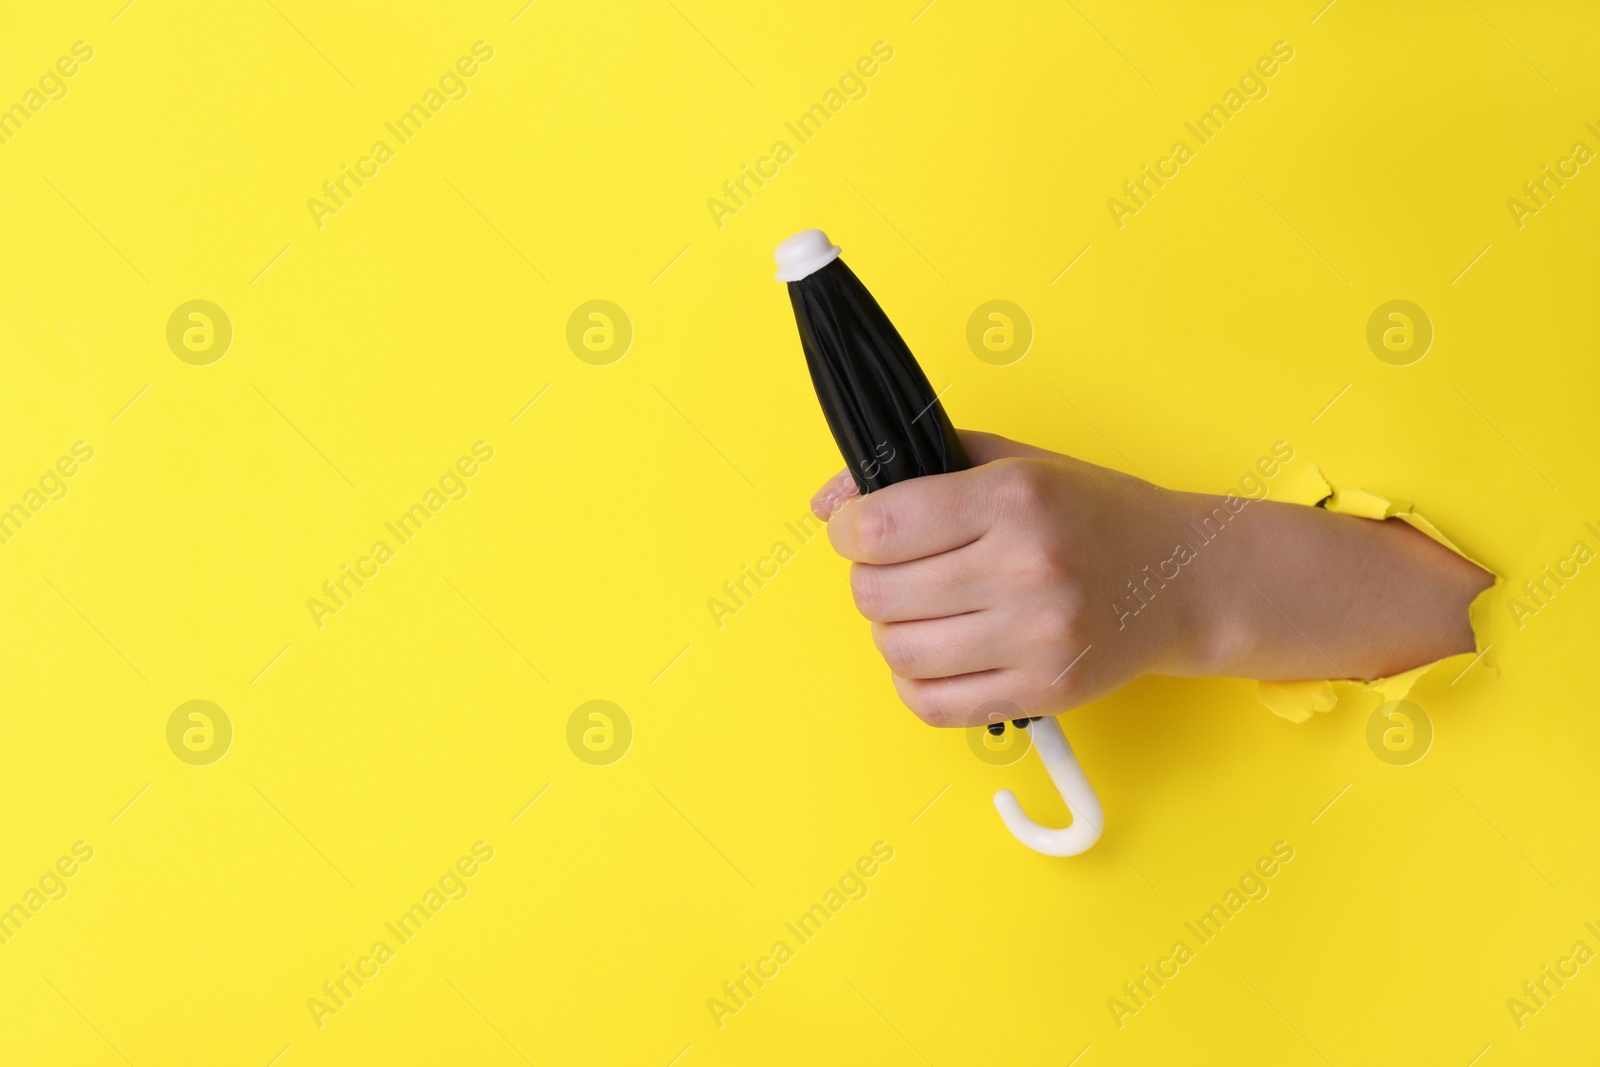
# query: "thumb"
[[833, 495]]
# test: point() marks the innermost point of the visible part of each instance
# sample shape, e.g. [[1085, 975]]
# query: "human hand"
[[1024, 586], [991, 586]]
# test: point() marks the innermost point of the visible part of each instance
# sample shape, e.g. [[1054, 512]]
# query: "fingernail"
[[828, 505]]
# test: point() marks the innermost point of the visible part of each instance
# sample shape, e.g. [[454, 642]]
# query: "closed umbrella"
[[890, 426]]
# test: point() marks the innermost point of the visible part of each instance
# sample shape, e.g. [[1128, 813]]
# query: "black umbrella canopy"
[[885, 417]]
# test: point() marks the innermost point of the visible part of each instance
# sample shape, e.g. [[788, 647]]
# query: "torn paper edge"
[[1299, 701]]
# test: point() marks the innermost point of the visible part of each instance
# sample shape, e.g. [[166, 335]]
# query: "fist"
[[993, 593]]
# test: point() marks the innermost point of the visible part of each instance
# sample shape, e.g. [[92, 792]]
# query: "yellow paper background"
[[770, 753]]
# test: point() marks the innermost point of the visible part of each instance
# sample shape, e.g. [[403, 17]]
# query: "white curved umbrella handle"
[[1087, 818]]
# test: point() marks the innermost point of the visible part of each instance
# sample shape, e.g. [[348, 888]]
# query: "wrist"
[[1219, 607]]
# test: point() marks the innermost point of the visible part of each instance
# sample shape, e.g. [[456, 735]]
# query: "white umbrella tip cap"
[[804, 254]]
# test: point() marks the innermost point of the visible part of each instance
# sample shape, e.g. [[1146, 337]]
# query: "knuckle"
[[1035, 565], [1022, 485], [926, 704], [896, 650], [1054, 627], [875, 529], [1039, 564], [866, 586], [1072, 600]]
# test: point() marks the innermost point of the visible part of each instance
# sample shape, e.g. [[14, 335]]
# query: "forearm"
[[1289, 592]]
